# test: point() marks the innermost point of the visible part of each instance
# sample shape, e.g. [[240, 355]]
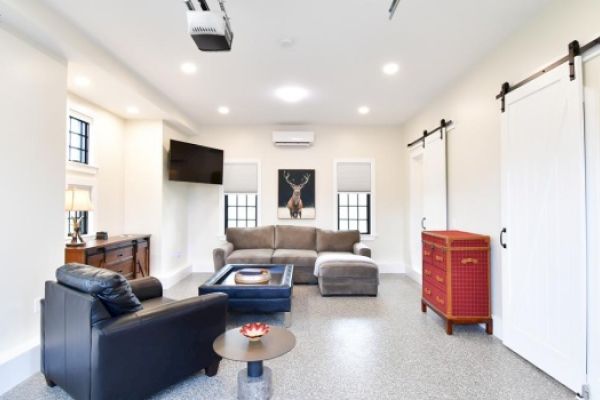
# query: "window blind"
[[354, 177], [240, 177]]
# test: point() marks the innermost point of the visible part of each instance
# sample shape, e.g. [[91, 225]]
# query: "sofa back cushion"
[[111, 288], [295, 237], [336, 240], [252, 238]]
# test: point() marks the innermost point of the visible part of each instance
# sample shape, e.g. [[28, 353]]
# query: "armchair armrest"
[[361, 249], [146, 288], [220, 255]]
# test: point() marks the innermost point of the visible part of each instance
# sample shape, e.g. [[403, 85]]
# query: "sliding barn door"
[[544, 263], [428, 192], [434, 183]]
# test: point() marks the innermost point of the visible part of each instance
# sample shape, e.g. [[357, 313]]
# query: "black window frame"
[[82, 137], [83, 225], [357, 206], [237, 206]]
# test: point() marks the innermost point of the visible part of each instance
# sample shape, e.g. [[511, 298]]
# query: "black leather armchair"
[[93, 354]]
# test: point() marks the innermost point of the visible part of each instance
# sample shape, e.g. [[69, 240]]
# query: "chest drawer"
[[439, 257], [435, 276], [436, 297], [118, 255]]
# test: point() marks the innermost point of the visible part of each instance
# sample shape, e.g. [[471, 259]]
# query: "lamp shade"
[[77, 200]]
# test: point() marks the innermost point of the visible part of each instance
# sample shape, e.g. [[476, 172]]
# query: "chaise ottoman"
[[341, 274]]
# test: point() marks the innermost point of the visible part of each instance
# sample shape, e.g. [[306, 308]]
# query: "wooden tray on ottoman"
[[456, 277]]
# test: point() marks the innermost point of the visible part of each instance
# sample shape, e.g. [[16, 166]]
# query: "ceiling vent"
[[293, 138]]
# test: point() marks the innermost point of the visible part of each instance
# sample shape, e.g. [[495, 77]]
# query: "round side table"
[[254, 382]]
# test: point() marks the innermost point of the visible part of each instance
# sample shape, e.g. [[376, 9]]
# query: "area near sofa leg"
[[212, 369], [50, 382]]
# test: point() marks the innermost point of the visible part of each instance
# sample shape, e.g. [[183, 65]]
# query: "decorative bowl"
[[254, 331], [252, 276]]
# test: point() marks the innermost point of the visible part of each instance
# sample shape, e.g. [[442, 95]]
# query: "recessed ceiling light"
[[189, 68], [391, 68], [364, 110], [291, 94], [133, 110], [82, 81], [223, 110]]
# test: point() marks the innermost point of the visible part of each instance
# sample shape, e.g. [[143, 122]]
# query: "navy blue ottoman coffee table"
[[274, 296]]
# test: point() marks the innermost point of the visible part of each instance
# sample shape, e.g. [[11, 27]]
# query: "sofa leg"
[[212, 369], [49, 382]]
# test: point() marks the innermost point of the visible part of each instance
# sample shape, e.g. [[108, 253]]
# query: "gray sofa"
[[286, 244]]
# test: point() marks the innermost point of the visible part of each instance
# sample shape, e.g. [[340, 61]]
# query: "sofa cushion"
[[336, 241], [250, 256], [252, 238], [295, 237], [302, 258], [111, 288]]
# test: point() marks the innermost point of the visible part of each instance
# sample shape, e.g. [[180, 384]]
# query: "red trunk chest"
[[456, 277]]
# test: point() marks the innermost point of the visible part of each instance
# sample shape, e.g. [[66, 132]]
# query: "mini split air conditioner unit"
[[293, 138]]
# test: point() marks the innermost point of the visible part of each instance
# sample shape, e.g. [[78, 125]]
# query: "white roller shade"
[[354, 177], [240, 177]]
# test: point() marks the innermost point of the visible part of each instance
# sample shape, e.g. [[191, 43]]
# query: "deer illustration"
[[294, 204]]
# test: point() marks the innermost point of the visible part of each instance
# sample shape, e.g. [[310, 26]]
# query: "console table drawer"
[[124, 268], [118, 255]]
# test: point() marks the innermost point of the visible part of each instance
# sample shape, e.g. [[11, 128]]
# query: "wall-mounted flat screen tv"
[[192, 163]]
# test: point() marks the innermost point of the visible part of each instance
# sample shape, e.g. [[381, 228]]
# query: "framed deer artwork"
[[296, 194]]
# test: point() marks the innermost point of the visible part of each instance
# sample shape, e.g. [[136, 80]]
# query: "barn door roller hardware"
[[441, 129], [393, 8], [574, 51]]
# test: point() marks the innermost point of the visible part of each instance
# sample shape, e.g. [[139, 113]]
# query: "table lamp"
[[77, 200]]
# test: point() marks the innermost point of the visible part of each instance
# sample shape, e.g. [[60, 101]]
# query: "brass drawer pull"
[[427, 291], [439, 258], [427, 253], [439, 279], [439, 299], [427, 272], [466, 261]]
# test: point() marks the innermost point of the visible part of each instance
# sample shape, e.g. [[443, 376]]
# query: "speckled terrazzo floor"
[[365, 348]]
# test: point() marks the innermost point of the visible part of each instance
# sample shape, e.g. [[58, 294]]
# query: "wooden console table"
[[128, 255]]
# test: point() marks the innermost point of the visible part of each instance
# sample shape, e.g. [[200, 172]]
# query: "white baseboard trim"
[[171, 279], [497, 326], [414, 275], [18, 365]]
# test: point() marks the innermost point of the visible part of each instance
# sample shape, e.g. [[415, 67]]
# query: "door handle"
[[423, 223], [502, 233]]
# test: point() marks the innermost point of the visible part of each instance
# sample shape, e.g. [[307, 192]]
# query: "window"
[[79, 140], [240, 185], [83, 224], [354, 212], [240, 210], [354, 195]]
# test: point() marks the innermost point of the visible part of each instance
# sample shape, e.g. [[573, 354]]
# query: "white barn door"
[[434, 183], [543, 210], [428, 192]]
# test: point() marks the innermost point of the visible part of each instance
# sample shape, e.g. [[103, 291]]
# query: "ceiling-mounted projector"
[[209, 29]]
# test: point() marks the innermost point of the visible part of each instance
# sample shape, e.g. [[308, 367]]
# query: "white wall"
[[175, 258], [107, 156], [474, 144], [32, 172], [143, 183], [382, 144]]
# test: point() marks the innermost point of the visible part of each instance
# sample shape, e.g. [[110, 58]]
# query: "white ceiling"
[[340, 47]]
